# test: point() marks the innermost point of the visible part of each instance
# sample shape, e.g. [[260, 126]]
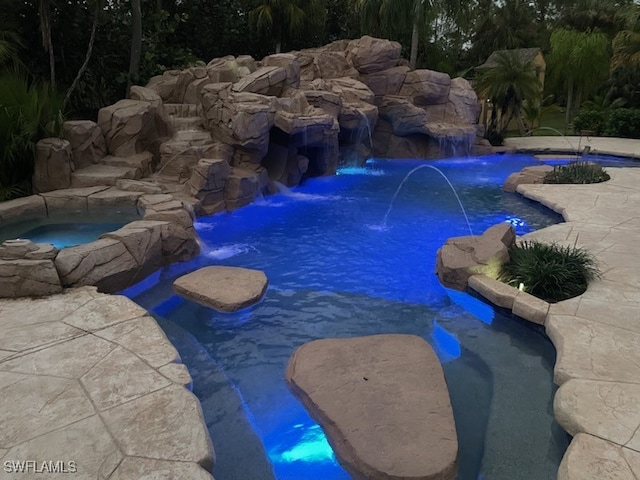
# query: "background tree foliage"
[[52, 37], [87, 52]]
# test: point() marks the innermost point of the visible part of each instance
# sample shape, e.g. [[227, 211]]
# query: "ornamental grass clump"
[[577, 173], [551, 272]]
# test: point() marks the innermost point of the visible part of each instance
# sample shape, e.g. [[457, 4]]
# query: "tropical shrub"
[[612, 122], [593, 120], [551, 272], [623, 122], [28, 112], [577, 173]]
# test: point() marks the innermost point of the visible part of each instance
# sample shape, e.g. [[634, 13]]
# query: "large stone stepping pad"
[[226, 289], [383, 402]]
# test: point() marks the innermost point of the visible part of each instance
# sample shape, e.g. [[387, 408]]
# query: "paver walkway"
[[597, 335]]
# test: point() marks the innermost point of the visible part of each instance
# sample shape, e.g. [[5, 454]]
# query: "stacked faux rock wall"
[[221, 134], [301, 114]]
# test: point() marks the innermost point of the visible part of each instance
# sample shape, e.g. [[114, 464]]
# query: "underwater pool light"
[[446, 344], [516, 221], [483, 312], [311, 447]]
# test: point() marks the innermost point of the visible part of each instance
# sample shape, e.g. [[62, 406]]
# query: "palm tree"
[[136, 41], [502, 28], [626, 50], [389, 17], [44, 11], [278, 16], [579, 61], [507, 85], [9, 43]]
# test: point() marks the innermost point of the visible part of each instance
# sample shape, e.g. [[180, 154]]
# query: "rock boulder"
[[383, 402], [28, 278], [426, 87], [129, 126], [461, 257], [225, 289], [528, 175], [105, 263], [370, 54], [53, 165], [87, 142]]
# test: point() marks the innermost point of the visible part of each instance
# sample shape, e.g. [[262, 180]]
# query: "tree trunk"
[[521, 126], [157, 23], [136, 41], [567, 118], [415, 38], [577, 101], [278, 32], [92, 39], [47, 42]]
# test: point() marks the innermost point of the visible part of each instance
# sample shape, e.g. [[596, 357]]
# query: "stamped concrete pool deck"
[[90, 388], [597, 335], [89, 382]]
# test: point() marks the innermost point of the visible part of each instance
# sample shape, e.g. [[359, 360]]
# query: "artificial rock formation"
[[287, 117], [383, 402], [129, 126], [27, 269], [164, 235], [226, 289], [53, 165], [528, 175], [283, 118], [87, 142], [461, 257]]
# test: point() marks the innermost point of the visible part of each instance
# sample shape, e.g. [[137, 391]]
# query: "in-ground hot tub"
[[68, 228], [98, 236]]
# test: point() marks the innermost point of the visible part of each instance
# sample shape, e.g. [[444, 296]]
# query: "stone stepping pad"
[[226, 289], [383, 402]]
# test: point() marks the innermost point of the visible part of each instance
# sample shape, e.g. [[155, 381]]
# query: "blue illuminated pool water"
[[68, 228], [333, 272]]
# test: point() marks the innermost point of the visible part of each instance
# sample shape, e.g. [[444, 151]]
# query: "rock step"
[[182, 109], [141, 162], [194, 137], [179, 124], [179, 155], [101, 175]]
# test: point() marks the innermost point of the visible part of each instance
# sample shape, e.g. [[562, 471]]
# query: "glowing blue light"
[[446, 344], [475, 307], [142, 286], [312, 447], [360, 171], [516, 221], [304, 443], [168, 306]]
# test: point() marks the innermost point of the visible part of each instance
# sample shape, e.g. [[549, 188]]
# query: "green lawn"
[[553, 120]]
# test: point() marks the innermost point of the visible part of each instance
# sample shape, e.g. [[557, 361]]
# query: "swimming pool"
[[335, 272]]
